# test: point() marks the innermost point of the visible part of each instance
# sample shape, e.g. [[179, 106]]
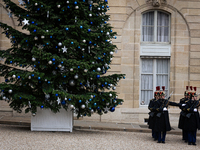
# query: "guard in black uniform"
[[192, 122], [162, 124], [183, 113], [152, 114]]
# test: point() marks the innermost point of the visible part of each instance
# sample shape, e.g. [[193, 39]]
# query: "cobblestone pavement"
[[21, 138]]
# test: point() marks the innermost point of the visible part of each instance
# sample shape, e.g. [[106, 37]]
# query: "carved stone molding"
[[156, 3]]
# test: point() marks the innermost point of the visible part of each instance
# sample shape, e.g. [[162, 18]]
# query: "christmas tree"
[[63, 58]]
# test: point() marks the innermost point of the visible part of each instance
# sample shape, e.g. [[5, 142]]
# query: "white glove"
[[165, 109], [183, 104], [195, 110]]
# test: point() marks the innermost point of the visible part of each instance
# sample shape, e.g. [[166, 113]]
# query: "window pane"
[[147, 34], [162, 80], [162, 66], [148, 27], [148, 19], [145, 97], [163, 19], [163, 34], [147, 82], [147, 65], [162, 27]]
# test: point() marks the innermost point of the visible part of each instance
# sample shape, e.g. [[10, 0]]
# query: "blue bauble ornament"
[[124, 77], [75, 3], [66, 29], [90, 100], [95, 104], [89, 30], [56, 94], [80, 101], [72, 42], [6, 80], [32, 22], [38, 78], [98, 76], [69, 99], [51, 37], [90, 42], [91, 22], [106, 1], [81, 27], [34, 30], [18, 77], [32, 75], [98, 108], [42, 106], [112, 109], [49, 82], [110, 30], [63, 102], [11, 62], [53, 59]]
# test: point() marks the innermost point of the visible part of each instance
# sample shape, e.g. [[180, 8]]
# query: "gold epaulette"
[[186, 101], [188, 109], [157, 109]]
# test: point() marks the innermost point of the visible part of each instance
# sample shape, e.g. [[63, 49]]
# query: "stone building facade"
[[158, 45]]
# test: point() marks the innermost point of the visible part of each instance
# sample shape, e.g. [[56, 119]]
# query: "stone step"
[[6, 112]]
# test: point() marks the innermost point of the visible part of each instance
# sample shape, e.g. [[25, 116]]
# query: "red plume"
[[195, 88], [163, 87], [187, 88], [158, 88], [191, 87]]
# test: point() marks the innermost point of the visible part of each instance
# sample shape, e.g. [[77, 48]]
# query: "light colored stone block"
[[194, 26], [195, 77], [194, 69], [195, 48], [194, 54], [117, 10], [195, 40], [194, 62]]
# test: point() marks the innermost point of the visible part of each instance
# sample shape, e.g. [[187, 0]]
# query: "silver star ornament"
[[25, 22], [10, 15], [21, 2], [64, 49]]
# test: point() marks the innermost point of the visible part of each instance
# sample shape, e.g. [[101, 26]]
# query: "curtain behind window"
[[148, 27], [146, 81], [162, 27], [162, 73]]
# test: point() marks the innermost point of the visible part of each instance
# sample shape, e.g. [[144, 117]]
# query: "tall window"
[[154, 72], [155, 27]]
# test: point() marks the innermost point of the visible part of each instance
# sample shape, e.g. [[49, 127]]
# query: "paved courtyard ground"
[[21, 138]]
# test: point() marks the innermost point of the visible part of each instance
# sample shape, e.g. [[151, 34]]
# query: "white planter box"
[[46, 120]]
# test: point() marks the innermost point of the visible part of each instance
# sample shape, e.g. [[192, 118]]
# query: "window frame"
[[155, 28], [154, 79]]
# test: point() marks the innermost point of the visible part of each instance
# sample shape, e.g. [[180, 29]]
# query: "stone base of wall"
[[132, 115]]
